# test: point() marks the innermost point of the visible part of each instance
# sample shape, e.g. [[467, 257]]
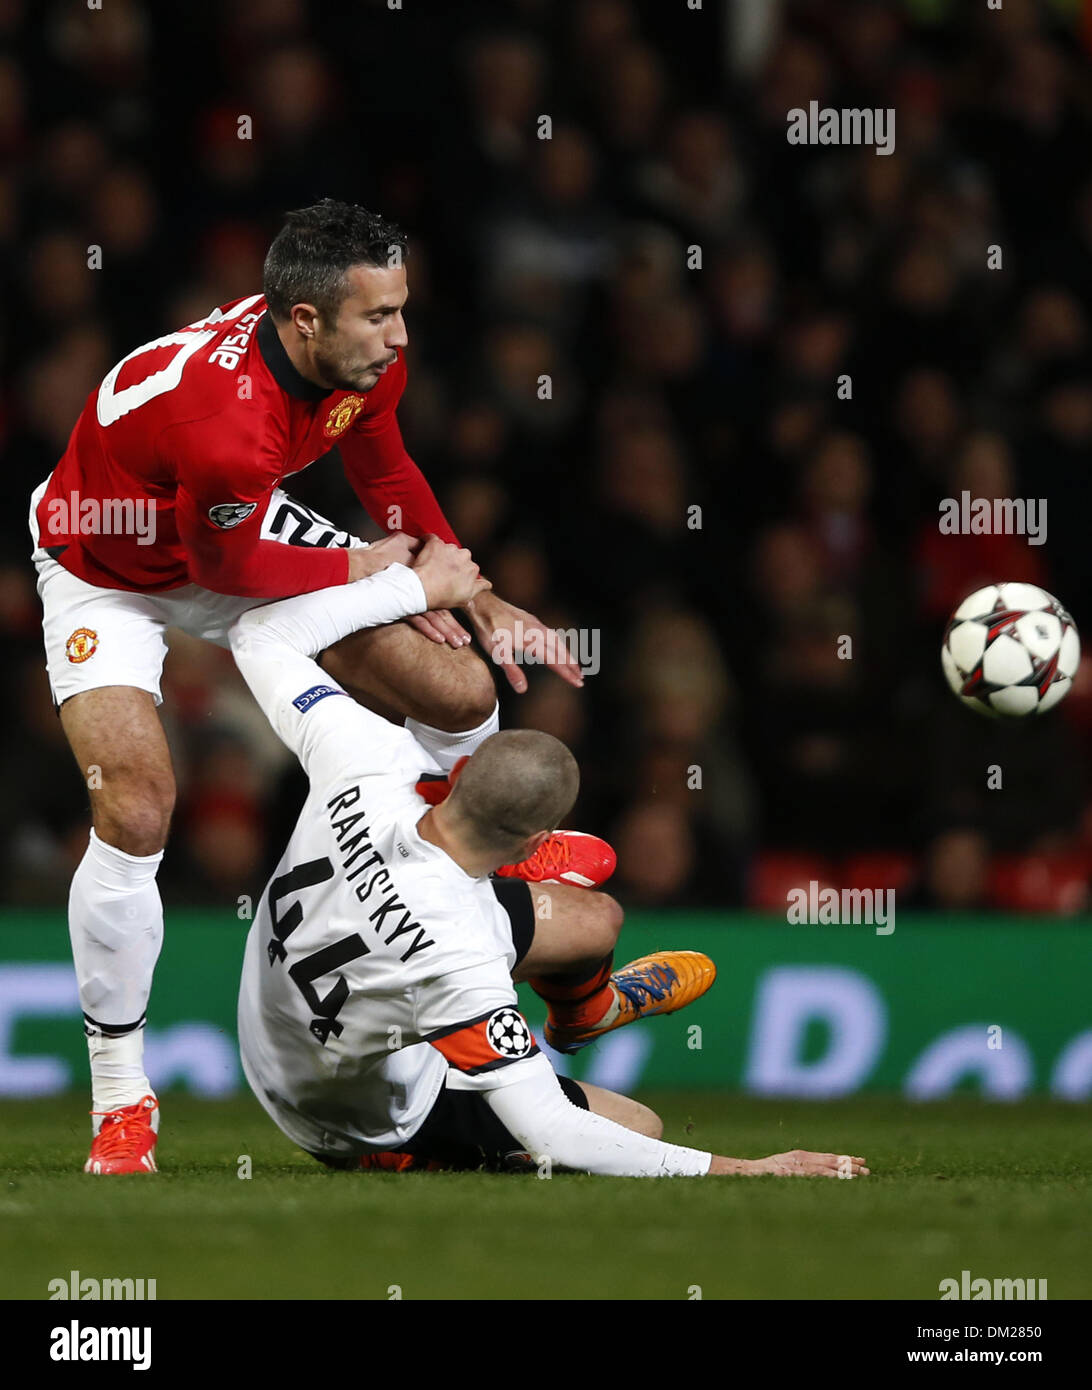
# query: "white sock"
[[117, 1072], [115, 922], [447, 748]]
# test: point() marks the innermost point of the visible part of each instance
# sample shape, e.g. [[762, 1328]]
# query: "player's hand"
[[449, 575], [395, 549], [504, 631], [800, 1163], [440, 626]]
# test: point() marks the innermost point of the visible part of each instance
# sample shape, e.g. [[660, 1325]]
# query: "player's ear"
[[532, 844], [453, 775], [303, 318]]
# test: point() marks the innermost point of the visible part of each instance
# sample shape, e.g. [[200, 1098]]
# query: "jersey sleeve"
[[219, 507], [472, 1018], [537, 1112], [274, 647], [390, 486]]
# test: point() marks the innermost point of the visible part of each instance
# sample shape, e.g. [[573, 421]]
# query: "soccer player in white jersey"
[[378, 1019]]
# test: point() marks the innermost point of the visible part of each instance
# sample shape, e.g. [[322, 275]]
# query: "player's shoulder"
[[228, 369], [228, 406]]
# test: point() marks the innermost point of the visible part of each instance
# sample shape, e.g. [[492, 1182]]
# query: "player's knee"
[[647, 1122], [609, 919], [134, 818]]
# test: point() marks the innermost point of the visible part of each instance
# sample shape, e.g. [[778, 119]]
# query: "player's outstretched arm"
[[545, 1121], [799, 1163]]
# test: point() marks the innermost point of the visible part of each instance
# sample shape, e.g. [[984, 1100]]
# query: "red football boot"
[[566, 856], [126, 1140]]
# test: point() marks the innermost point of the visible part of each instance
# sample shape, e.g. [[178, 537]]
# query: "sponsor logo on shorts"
[[311, 697], [82, 644], [229, 514], [508, 1034], [342, 416]]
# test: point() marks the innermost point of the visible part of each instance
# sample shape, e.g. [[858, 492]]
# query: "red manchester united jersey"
[[191, 433]]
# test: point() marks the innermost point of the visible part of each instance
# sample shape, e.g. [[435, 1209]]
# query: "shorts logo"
[[82, 644], [508, 1034], [229, 514], [311, 697], [342, 416]]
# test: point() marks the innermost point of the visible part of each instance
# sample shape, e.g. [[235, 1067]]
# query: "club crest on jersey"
[[229, 514], [508, 1034], [82, 644], [342, 416]]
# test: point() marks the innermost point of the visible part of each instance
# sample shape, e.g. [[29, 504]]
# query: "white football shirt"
[[376, 970], [369, 941]]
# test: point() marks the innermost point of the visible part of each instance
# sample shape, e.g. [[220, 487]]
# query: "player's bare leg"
[[115, 913], [117, 731], [623, 1110], [575, 932], [398, 667]]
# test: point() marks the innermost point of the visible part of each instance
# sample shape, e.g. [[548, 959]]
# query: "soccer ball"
[[1010, 650]]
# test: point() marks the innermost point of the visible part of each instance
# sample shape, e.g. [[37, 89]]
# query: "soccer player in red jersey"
[[166, 510]]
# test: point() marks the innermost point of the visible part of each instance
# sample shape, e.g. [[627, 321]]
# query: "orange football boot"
[[661, 983]]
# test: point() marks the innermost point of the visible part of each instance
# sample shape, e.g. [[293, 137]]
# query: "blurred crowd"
[[697, 489]]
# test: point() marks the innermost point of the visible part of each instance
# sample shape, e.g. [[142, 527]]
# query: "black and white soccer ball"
[[508, 1033], [1010, 650]]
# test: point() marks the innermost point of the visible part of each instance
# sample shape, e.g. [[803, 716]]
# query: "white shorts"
[[96, 637]]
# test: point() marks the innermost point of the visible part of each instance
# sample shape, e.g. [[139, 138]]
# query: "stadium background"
[[673, 388]]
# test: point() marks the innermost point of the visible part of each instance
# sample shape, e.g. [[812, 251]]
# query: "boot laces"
[[124, 1132], [651, 983], [552, 857]]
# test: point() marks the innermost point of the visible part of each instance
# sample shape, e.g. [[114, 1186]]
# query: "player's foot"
[[661, 983], [566, 856], [126, 1140]]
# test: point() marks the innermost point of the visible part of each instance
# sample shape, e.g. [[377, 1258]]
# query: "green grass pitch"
[[1001, 1190]]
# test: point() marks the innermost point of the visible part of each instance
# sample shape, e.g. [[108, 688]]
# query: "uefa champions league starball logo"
[[508, 1033]]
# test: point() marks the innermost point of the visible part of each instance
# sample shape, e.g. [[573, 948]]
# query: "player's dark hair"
[[519, 781], [307, 261]]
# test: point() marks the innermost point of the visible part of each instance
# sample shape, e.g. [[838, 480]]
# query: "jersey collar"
[[276, 359]]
